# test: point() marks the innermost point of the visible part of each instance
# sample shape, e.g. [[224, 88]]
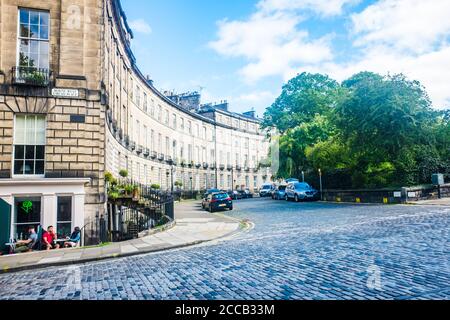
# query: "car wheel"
[[211, 210], [231, 208], [296, 198], [286, 197]]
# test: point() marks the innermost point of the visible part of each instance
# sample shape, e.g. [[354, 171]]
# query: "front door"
[[5, 223]]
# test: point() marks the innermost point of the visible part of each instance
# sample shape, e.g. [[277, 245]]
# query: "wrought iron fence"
[[144, 209], [95, 231], [31, 76]]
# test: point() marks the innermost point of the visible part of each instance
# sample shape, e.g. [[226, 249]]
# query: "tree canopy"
[[368, 131]]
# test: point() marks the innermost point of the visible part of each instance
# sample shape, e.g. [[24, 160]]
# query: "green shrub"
[[109, 177], [123, 173]]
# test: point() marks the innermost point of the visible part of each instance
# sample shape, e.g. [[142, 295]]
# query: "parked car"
[[235, 195], [301, 191], [217, 201], [266, 190], [292, 180], [279, 193], [246, 194], [210, 191]]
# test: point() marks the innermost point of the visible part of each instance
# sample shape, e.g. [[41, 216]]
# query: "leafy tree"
[[301, 99], [370, 131]]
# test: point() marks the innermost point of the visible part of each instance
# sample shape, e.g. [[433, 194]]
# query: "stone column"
[[78, 210], [49, 209]]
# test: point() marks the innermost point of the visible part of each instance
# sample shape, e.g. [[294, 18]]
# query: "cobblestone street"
[[295, 251]]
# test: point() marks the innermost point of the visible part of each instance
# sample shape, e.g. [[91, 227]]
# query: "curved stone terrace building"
[[74, 105]]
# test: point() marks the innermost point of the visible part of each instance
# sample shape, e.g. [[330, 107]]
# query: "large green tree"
[[369, 131]]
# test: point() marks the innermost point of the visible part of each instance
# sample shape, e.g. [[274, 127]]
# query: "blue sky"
[[244, 50]]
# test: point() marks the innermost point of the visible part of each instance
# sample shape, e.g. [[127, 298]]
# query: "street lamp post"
[[303, 176], [321, 186], [172, 169], [192, 191], [167, 179]]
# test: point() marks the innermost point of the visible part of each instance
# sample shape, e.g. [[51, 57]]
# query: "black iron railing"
[[31, 76], [142, 209]]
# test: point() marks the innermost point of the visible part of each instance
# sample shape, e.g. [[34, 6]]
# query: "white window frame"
[[28, 176], [19, 37]]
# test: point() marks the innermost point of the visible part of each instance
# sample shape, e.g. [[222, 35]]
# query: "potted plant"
[[123, 173], [129, 188], [136, 192], [108, 177], [155, 186], [179, 184]]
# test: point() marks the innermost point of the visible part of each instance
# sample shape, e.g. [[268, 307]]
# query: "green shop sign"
[[27, 206]]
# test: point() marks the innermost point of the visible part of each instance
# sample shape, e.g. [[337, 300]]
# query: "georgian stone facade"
[[70, 90], [215, 148]]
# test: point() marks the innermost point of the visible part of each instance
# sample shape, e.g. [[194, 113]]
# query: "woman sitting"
[[75, 239]]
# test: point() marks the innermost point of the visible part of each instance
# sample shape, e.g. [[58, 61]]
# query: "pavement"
[[192, 227], [437, 202], [296, 251]]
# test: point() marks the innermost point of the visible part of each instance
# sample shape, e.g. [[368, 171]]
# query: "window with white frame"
[[29, 145], [166, 117], [174, 119], [145, 137], [145, 103], [34, 26], [64, 217]]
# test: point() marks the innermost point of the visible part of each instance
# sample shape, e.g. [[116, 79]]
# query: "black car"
[[235, 195], [210, 191], [246, 194], [217, 201]]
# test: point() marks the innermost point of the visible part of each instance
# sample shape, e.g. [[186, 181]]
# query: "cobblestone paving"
[[296, 251]]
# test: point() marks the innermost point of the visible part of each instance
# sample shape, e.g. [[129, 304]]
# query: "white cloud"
[[414, 25], [271, 42], [322, 7], [389, 36], [140, 26]]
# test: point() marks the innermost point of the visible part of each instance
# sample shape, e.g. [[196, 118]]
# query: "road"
[[296, 251]]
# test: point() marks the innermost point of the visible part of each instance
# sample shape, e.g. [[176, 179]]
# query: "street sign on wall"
[[65, 93]]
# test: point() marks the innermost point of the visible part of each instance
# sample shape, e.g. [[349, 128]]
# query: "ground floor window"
[[29, 145], [222, 181], [27, 212], [64, 214]]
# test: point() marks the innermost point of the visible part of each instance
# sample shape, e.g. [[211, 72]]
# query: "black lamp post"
[[321, 186], [167, 178]]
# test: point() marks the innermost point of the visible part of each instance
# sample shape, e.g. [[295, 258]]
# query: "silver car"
[[298, 191], [279, 193]]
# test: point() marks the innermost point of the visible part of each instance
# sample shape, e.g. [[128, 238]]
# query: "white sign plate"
[[65, 93], [412, 195], [397, 194]]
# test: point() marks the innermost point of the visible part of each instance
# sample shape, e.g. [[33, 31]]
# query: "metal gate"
[[5, 224]]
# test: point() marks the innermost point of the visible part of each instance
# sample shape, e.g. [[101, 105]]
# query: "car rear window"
[[221, 196], [267, 187], [282, 188]]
